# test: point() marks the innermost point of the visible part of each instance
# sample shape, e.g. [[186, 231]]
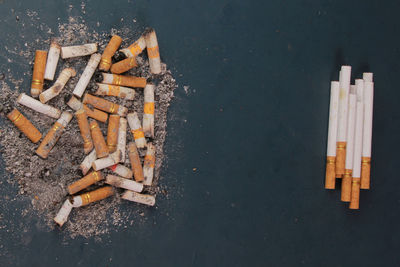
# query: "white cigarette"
[[121, 146], [106, 162], [368, 76], [148, 111], [333, 119], [148, 166], [62, 215], [358, 140], [55, 90], [36, 105], [351, 127], [87, 75], [88, 161], [52, 60], [136, 48], [124, 183], [136, 129], [78, 50], [153, 52], [344, 81], [139, 198], [368, 114], [115, 90], [122, 171]]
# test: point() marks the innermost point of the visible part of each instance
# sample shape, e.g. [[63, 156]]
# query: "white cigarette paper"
[[333, 119], [78, 50], [55, 90], [368, 114], [139, 198], [63, 213], [154, 57], [36, 105], [87, 75], [358, 142], [52, 60], [122, 171], [148, 118], [350, 128], [344, 81], [115, 90], [135, 49], [368, 76], [121, 146], [88, 161], [148, 170], [124, 183], [75, 104], [136, 127], [106, 162]]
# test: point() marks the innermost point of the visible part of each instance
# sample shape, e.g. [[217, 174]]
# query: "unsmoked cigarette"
[[52, 60], [149, 163], [136, 129], [135, 162], [63, 213], [98, 140], [122, 171], [122, 139], [78, 50], [92, 196], [38, 106], [136, 48], [38, 72], [115, 90], [84, 128], [112, 132], [24, 125], [124, 80], [109, 51], [87, 75], [96, 114], [88, 161], [55, 90], [148, 111], [368, 99], [153, 52], [85, 182], [105, 105], [124, 183], [124, 65], [139, 198]]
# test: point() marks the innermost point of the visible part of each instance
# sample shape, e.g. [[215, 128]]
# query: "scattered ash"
[[45, 181]]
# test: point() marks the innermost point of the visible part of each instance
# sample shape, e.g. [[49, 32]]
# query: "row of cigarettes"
[[350, 135], [101, 153]]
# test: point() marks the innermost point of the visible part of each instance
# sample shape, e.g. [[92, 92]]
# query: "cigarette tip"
[[98, 77]]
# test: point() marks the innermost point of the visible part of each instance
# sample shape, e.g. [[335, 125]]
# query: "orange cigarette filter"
[[365, 173], [112, 133], [340, 159], [105, 62], [330, 178], [355, 194], [96, 195], [124, 65], [101, 103], [124, 80], [96, 114], [84, 128], [135, 162], [98, 140], [346, 186], [24, 125], [85, 182], [38, 72]]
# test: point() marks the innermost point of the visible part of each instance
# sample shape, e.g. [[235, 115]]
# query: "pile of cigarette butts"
[[350, 135], [100, 153]]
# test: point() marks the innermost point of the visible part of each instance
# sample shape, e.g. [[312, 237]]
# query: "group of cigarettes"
[[101, 153], [350, 135]]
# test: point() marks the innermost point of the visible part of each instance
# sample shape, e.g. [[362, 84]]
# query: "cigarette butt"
[[123, 80], [136, 48], [52, 60], [139, 198], [122, 139], [153, 51], [24, 125], [92, 196], [109, 51], [87, 75], [98, 140], [355, 194], [115, 90], [135, 162], [38, 72], [124, 183], [365, 172], [38, 106], [136, 129], [112, 132], [148, 111], [106, 162], [122, 171], [85, 182], [346, 186], [105, 105], [96, 114], [55, 90], [53, 135], [149, 163], [74, 103], [63, 213], [330, 178], [340, 159], [84, 128], [124, 65], [78, 50], [88, 161]]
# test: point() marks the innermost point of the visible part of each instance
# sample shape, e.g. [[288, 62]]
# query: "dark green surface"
[[256, 132]]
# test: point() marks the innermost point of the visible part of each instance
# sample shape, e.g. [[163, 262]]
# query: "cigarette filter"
[[106, 162], [88, 161], [153, 52], [112, 132], [110, 50], [124, 65], [87, 75], [36, 105], [85, 182], [135, 162], [24, 125], [84, 128], [148, 166], [63, 213], [122, 171], [105, 105], [38, 72], [122, 139], [55, 90], [139, 198], [124, 183], [92, 196], [367, 135], [78, 50], [148, 111], [53, 135], [98, 140], [96, 114], [115, 90], [52, 60], [124, 80], [136, 48], [368, 76], [136, 129], [332, 132]]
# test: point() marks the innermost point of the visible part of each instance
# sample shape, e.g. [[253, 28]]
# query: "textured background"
[[254, 125]]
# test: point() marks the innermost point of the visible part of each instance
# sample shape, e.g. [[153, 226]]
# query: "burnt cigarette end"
[[118, 56], [98, 77]]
